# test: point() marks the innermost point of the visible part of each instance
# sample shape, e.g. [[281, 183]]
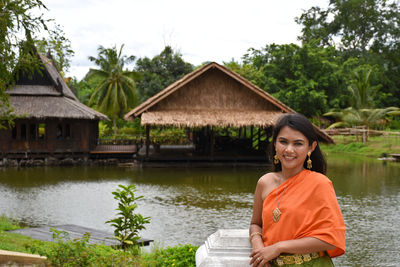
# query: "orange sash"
[[309, 209]]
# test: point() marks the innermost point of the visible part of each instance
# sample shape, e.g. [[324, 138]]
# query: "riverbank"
[[376, 146], [79, 252]]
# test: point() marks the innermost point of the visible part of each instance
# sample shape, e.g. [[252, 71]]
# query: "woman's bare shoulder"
[[268, 181], [266, 184]]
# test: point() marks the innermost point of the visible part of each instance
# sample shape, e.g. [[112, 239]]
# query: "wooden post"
[[212, 141], [147, 140]]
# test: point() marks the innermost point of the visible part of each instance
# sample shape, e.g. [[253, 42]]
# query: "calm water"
[[186, 205]]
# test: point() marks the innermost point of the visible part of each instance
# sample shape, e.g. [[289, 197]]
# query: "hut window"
[[14, 133], [23, 131], [59, 132], [67, 131], [42, 130], [32, 132]]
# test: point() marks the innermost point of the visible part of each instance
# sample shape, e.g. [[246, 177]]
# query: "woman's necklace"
[[276, 214]]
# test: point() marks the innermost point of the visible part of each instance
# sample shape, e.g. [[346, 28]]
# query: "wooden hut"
[[214, 97], [50, 119]]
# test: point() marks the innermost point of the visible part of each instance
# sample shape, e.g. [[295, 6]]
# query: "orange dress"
[[309, 208]]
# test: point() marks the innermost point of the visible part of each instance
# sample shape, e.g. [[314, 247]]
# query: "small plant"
[[128, 224], [78, 252], [8, 224], [178, 256]]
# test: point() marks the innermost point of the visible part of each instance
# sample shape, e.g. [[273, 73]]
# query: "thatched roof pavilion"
[[50, 120], [212, 95]]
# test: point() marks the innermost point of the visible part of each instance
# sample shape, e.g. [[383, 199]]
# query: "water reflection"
[[187, 205]]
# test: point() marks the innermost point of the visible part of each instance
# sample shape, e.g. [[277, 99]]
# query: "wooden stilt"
[[147, 140], [212, 142]]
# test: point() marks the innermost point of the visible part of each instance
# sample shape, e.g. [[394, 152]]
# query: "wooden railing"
[[360, 131], [135, 141]]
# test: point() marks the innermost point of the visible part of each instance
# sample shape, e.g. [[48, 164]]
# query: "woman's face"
[[292, 147]]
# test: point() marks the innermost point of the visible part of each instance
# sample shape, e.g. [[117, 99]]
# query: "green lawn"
[[374, 147]]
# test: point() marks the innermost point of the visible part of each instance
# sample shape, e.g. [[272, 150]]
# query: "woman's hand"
[[262, 256]]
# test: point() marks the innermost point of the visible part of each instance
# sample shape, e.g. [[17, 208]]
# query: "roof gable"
[[46, 81], [210, 87], [46, 95]]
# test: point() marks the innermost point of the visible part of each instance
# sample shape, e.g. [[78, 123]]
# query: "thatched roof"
[[231, 118], [48, 97], [212, 95], [52, 107]]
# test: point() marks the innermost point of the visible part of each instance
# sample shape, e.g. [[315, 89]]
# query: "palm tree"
[[116, 93], [362, 111]]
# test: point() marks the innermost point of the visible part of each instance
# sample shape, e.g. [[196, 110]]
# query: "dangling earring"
[[309, 162], [276, 159]]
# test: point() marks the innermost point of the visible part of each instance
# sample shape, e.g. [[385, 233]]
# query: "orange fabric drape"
[[309, 209]]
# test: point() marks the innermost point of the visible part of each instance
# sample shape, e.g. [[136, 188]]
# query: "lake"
[[188, 204]]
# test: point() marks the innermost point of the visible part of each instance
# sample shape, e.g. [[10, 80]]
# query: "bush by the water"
[[78, 252]]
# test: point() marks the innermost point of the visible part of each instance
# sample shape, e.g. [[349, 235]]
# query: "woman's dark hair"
[[300, 123]]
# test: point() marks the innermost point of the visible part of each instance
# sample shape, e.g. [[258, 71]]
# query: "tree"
[[17, 25], [357, 24], [115, 93], [59, 47], [160, 71], [367, 30], [307, 78], [362, 111]]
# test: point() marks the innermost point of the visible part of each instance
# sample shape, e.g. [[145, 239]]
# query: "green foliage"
[[7, 224], [115, 93], [169, 136], [160, 71], [362, 30], [18, 23], [182, 255], [309, 78], [59, 48], [358, 24], [128, 224], [361, 113], [78, 252]]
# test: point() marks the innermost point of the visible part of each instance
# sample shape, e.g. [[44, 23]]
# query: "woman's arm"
[[296, 246], [255, 231], [303, 246]]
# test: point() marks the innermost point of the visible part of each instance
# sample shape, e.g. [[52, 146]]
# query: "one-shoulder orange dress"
[[309, 208]]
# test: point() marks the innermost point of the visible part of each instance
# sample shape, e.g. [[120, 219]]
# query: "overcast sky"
[[207, 30]]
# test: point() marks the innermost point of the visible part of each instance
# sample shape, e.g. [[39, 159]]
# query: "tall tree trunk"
[[115, 125]]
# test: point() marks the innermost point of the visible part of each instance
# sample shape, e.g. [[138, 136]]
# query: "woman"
[[296, 217]]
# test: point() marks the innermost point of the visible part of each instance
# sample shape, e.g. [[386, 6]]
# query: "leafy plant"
[[128, 224], [78, 252], [182, 255]]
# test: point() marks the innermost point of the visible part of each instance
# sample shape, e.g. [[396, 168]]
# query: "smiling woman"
[[296, 216]]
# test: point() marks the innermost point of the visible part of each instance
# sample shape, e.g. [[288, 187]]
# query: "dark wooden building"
[[210, 102], [50, 119]]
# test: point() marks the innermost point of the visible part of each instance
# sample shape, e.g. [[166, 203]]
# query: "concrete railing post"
[[226, 247]]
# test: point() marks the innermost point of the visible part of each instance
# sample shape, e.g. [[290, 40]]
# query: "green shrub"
[[179, 256], [78, 252], [128, 224], [7, 224]]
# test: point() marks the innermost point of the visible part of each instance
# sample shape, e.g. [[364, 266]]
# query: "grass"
[[376, 146], [79, 252]]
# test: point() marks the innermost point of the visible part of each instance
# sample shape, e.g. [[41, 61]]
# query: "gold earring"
[[309, 162], [276, 159]]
